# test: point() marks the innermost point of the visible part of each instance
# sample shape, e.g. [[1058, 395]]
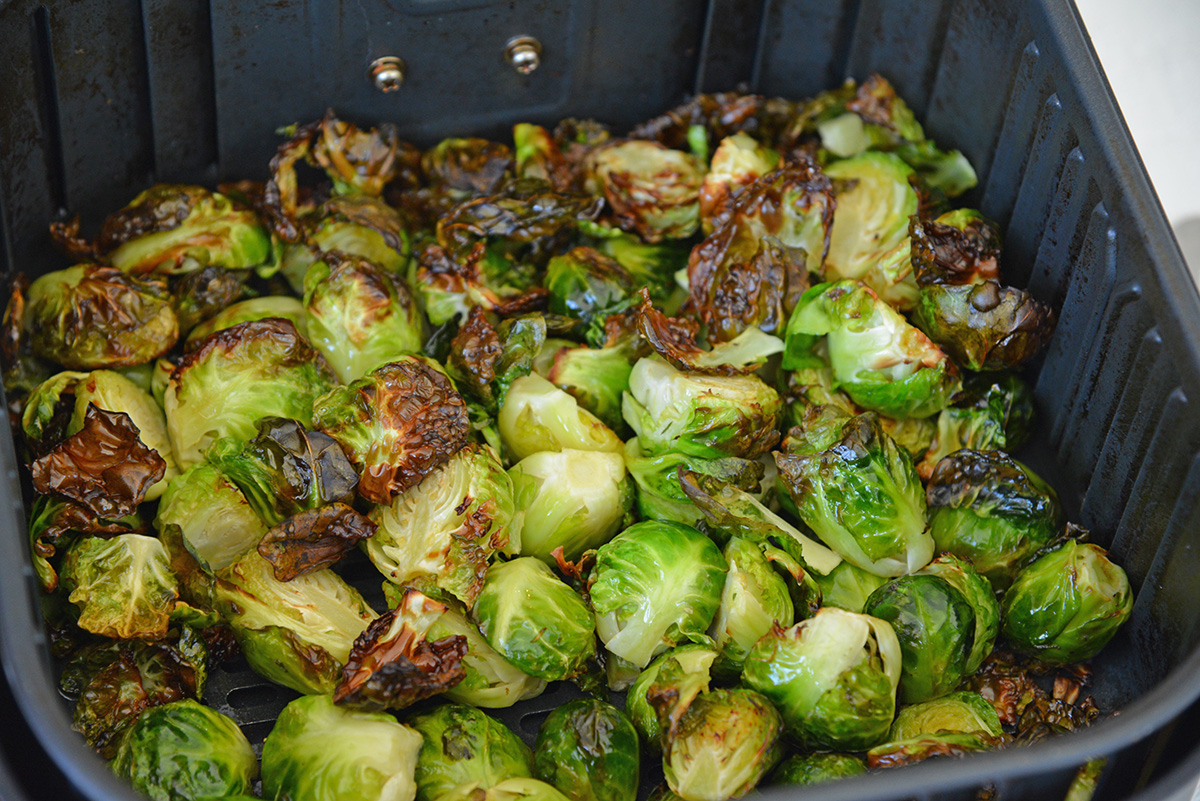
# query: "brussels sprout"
[[596, 378], [978, 592], [1067, 604], [809, 769], [539, 156], [954, 724], [588, 749], [184, 750], [833, 677], [467, 165], [653, 265], [878, 359], [237, 377], [514, 789], [115, 393], [936, 627], [354, 225], [451, 286], [960, 247], [712, 117], [858, 491], [296, 633], [993, 412], [992, 510], [358, 316], [442, 533], [462, 745], [754, 599], [573, 500], [684, 671], [655, 585], [652, 191], [90, 317], [123, 586], [538, 416], [48, 410], [55, 521], [396, 424], [754, 267], [113, 682], [486, 360], [984, 326], [848, 586], [490, 680], [175, 229], [215, 521], [244, 311], [737, 162], [536, 621], [659, 493], [318, 751], [588, 286], [286, 469], [674, 339], [199, 295], [700, 415], [724, 745]]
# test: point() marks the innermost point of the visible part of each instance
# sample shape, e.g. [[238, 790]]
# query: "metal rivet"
[[387, 73], [524, 53]]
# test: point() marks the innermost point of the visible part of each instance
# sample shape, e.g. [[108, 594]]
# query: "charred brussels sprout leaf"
[[216, 524], [1066, 606], [396, 424], [818, 768], [184, 750], [539, 156], [859, 492], [313, 539], [674, 679], [990, 509], [571, 500], [175, 229], [878, 359], [319, 751], [651, 190], [358, 316], [123, 586], [485, 360], [237, 377], [201, 294], [737, 163], [979, 594], [958, 248], [993, 412], [245, 311], [489, 680], [954, 724], [833, 677], [452, 287], [653, 586], [724, 745], [393, 664], [286, 469], [587, 285], [535, 620], [936, 627], [463, 745], [675, 341], [753, 600], [89, 317], [476, 166], [754, 267], [538, 416], [717, 116], [588, 749], [55, 521], [441, 534]]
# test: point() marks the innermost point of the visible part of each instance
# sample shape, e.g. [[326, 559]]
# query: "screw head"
[[524, 53], [387, 73]]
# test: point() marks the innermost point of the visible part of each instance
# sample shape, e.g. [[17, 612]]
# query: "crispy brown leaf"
[[313, 539], [674, 339], [105, 466], [945, 254], [162, 208], [69, 242]]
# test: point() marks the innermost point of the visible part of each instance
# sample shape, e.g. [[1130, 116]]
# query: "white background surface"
[[1150, 52]]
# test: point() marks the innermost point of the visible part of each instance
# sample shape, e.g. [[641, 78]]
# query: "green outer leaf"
[[589, 750]]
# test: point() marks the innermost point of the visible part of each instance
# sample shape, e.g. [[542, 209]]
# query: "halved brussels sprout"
[[199, 295], [659, 493], [652, 265], [237, 377], [737, 162], [754, 599], [464, 745], [990, 509], [215, 521], [296, 633], [318, 751], [515, 789], [588, 749], [723, 746], [244, 311], [652, 191], [355, 225], [596, 378], [848, 586], [570, 500], [539, 156], [858, 491], [833, 676], [172, 229], [809, 769], [538, 416], [396, 424], [878, 359], [984, 326], [535, 620], [358, 316], [655, 585], [468, 165], [485, 360], [441, 534], [954, 724], [936, 627], [90, 317], [187, 751], [1066, 605], [123, 586], [700, 415], [491, 681], [683, 672], [588, 286], [993, 412], [960, 247], [979, 594]]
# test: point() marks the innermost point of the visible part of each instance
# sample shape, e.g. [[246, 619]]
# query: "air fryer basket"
[[122, 93]]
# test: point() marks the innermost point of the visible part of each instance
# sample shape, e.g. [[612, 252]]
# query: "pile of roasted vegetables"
[[712, 420]]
